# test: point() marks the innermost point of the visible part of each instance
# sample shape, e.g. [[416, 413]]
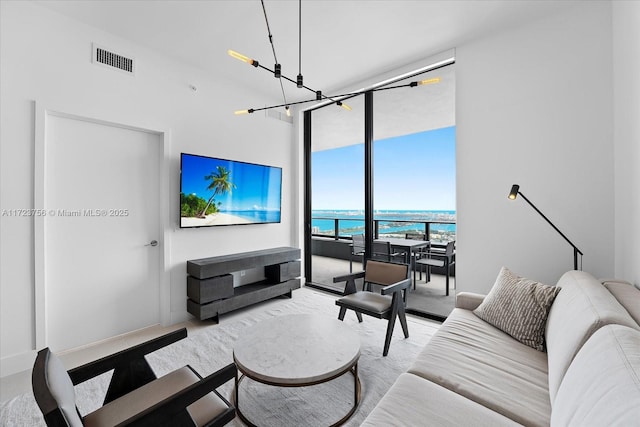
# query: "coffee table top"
[[297, 349]]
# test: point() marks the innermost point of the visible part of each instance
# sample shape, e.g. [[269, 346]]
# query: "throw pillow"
[[519, 307]]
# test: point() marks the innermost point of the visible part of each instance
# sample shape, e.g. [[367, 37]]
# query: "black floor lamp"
[[515, 190]]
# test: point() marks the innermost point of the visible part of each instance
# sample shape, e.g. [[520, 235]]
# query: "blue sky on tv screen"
[[411, 172], [257, 187]]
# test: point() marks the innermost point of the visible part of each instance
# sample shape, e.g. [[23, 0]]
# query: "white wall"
[[47, 57], [534, 107], [626, 60]]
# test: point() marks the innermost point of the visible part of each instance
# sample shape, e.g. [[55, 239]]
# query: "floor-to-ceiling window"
[[411, 186], [414, 166], [337, 196]]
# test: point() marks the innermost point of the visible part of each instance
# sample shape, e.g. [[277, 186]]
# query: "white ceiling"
[[343, 42]]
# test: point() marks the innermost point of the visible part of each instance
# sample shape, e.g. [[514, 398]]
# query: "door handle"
[[152, 243]]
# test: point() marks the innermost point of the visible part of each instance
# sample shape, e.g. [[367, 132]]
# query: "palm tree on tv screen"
[[220, 184]]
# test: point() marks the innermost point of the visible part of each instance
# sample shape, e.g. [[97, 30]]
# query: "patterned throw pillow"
[[519, 307]]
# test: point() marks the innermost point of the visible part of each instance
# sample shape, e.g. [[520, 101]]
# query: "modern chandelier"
[[299, 82]]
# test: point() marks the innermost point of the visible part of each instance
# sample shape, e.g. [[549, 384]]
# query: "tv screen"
[[227, 192]]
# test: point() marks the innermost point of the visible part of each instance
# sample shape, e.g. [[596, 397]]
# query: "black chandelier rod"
[[319, 94], [273, 49], [266, 20], [332, 97], [344, 95]]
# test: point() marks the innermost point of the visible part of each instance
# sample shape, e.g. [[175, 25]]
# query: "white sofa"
[[471, 373]]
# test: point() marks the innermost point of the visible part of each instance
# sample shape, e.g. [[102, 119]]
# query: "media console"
[[210, 287]]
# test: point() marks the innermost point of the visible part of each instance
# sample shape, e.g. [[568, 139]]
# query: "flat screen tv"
[[217, 192]]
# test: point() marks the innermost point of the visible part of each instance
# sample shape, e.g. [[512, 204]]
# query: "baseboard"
[[17, 363], [179, 316]]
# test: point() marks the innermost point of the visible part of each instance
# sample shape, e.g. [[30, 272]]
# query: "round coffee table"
[[296, 351]]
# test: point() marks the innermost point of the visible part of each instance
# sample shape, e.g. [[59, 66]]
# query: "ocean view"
[[391, 223]]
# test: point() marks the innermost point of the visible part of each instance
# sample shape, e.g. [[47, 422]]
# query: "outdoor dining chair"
[[440, 259]]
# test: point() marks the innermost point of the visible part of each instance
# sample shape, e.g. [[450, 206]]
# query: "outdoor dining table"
[[408, 246]]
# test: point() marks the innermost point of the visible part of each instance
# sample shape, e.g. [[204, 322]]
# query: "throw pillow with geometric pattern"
[[519, 307]]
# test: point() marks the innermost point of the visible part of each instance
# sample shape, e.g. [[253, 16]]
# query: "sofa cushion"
[[582, 307], [519, 307], [627, 295], [470, 357], [602, 385], [414, 401]]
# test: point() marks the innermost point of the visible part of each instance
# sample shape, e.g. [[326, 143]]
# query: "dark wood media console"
[[210, 287]]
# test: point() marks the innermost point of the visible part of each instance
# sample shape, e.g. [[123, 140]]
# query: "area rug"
[[208, 349]]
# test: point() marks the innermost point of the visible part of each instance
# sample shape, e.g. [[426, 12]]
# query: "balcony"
[[331, 251]]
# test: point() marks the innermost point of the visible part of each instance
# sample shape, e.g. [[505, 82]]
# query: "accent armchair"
[[135, 396], [388, 304]]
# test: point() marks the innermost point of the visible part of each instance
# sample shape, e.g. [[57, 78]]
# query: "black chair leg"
[[391, 324], [387, 340], [446, 266], [415, 266], [403, 322], [359, 316], [343, 311]]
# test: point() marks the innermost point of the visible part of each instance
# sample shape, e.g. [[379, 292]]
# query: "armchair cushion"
[[123, 408], [368, 301], [61, 389], [385, 273], [519, 307]]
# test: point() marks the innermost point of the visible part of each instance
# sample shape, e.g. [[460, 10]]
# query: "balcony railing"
[[344, 228]]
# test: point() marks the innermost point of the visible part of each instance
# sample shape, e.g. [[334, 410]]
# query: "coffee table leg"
[[236, 402], [356, 386], [357, 389]]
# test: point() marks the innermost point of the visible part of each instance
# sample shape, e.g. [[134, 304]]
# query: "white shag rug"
[[211, 348]]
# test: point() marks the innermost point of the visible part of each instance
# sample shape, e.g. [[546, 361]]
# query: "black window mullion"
[[368, 173]]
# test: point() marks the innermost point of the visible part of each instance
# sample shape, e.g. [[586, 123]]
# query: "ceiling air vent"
[[108, 58], [279, 116]]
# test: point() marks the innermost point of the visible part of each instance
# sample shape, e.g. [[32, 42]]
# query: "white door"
[[102, 211]]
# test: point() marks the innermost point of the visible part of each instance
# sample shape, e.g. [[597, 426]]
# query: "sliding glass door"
[[414, 179], [337, 191], [384, 169]]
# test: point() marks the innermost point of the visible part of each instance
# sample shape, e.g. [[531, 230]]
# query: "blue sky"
[[257, 187], [411, 172]]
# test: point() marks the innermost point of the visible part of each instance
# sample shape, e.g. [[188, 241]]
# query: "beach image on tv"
[[226, 192]]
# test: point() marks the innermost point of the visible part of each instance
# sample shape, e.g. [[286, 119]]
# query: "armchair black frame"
[[389, 304], [131, 371]]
